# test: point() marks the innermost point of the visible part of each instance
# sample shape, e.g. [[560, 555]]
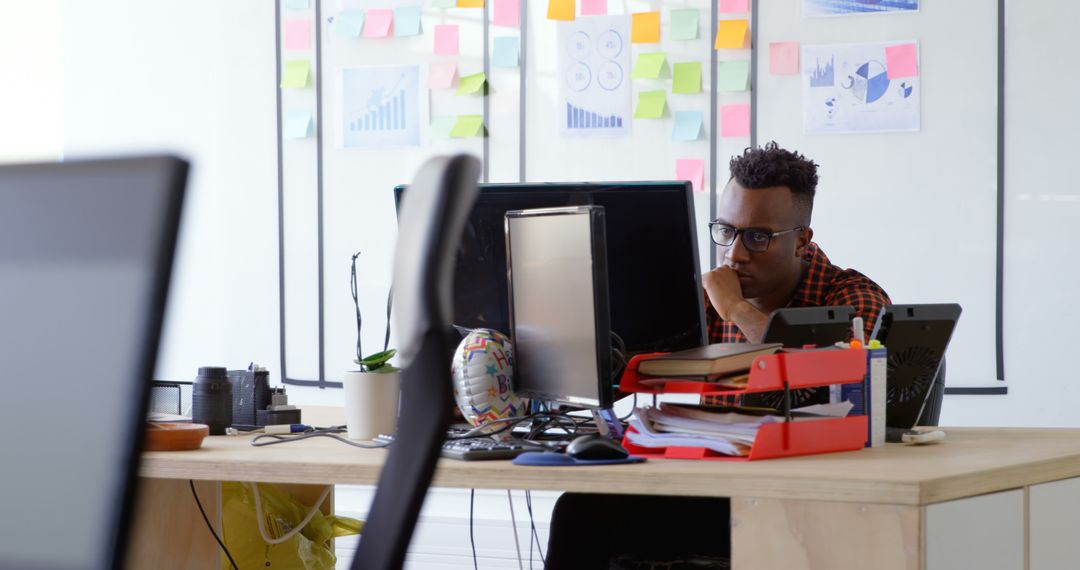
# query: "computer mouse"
[[595, 446]]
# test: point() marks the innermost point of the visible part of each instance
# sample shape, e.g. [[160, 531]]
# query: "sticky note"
[[378, 23], [735, 5], [296, 74], [441, 126], [443, 4], [349, 23], [687, 125], [734, 121], [560, 10], [507, 13], [901, 61], [296, 4], [594, 7], [446, 39], [507, 50], [732, 34], [441, 74], [471, 84], [468, 126], [649, 65], [733, 76], [298, 124], [687, 77], [407, 21], [470, 3], [784, 58], [645, 28], [298, 34], [650, 105], [691, 169], [684, 24]]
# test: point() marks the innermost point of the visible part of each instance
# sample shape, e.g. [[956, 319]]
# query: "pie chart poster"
[[850, 89]]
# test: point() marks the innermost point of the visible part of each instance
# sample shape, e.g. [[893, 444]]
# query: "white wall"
[[31, 93]]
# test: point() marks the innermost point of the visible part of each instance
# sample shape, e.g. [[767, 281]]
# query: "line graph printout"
[[379, 107], [847, 89], [594, 70]]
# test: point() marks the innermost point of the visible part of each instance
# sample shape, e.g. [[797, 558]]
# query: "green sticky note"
[[443, 3], [470, 84], [468, 126], [684, 24], [296, 74], [687, 77], [649, 65], [733, 76], [650, 105], [441, 126]]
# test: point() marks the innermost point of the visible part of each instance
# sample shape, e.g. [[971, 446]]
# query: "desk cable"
[[210, 526], [331, 432], [285, 537], [472, 539], [513, 525], [532, 524]]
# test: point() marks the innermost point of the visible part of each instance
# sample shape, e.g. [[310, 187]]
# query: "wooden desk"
[[968, 502]]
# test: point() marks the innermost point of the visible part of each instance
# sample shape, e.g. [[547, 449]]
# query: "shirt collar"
[[817, 266]]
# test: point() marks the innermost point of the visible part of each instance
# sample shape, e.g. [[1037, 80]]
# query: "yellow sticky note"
[[687, 78], [650, 105], [296, 74], [560, 9], [470, 3], [732, 34], [471, 84], [645, 28], [468, 126]]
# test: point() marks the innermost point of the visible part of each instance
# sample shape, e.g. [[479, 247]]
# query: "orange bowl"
[[174, 437]]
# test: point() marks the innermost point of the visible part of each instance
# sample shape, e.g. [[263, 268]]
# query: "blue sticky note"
[[407, 21], [687, 125], [507, 52], [349, 23], [296, 4], [298, 124]]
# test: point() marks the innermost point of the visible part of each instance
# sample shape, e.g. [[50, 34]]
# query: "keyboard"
[[477, 449]]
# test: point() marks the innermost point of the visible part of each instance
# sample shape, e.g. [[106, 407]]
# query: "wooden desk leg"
[[167, 530], [793, 534]]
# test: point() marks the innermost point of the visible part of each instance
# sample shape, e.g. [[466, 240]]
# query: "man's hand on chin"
[[725, 293]]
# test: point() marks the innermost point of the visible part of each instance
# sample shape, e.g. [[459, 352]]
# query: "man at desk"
[[768, 261]]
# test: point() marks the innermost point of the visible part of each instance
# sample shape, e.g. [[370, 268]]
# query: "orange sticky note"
[[646, 28], [734, 121], [560, 9], [784, 58], [470, 3], [732, 34], [691, 169]]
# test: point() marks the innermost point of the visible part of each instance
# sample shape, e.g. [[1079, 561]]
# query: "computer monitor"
[[559, 319], [654, 275], [85, 255]]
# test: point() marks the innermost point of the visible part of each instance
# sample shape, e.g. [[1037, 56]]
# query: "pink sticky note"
[[784, 58], [594, 7], [507, 13], [446, 39], [734, 121], [901, 61], [378, 23], [297, 34], [735, 6], [441, 75], [690, 169]]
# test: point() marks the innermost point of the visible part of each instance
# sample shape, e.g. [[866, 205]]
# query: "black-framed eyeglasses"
[[755, 239]]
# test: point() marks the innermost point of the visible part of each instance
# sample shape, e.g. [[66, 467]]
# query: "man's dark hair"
[[770, 165]]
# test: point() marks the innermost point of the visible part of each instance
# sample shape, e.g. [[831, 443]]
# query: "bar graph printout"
[[379, 107], [594, 68]]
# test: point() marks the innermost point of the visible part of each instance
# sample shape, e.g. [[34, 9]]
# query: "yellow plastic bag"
[[310, 549]]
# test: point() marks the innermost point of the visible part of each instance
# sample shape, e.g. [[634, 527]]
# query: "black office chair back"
[[431, 220]]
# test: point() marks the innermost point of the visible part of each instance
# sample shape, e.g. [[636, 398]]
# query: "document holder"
[[782, 371]]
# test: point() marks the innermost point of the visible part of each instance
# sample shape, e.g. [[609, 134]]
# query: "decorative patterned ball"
[[483, 372]]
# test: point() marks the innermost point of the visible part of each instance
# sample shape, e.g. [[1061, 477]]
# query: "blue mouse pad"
[[552, 459]]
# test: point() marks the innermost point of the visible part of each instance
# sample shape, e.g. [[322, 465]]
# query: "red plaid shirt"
[[823, 285]]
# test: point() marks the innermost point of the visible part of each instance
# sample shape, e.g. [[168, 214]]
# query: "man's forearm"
[[750, 321]]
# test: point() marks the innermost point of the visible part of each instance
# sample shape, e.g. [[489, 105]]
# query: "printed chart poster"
[[846, 89], [594, 65], [380, 107], [819, 8]]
